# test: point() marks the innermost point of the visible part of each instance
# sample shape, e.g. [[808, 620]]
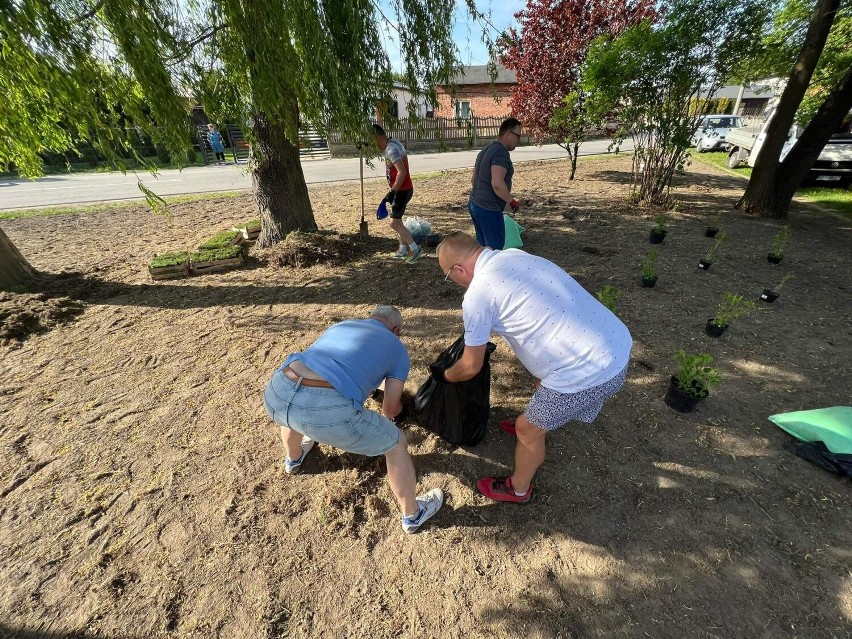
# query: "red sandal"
[[508, 426], [500, 489]]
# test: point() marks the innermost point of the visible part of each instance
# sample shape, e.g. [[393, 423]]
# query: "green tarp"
[[832, 426]]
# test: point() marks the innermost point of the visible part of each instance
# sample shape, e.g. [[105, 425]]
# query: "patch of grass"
[[719, 159], [249, 225], [838, 200], [222, 239], [174, 258], [224, 253], [50, 211]]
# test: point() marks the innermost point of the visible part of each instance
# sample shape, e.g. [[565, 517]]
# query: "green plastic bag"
[[832, 426], [513, 233]]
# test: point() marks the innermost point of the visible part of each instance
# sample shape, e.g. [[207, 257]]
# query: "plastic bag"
[[418, 227], [457, 413], [513, 233]]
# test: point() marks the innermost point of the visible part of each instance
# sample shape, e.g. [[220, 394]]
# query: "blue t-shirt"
[[483, 193], [355, 356]]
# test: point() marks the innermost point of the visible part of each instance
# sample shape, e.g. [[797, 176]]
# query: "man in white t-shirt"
[[575, 347]]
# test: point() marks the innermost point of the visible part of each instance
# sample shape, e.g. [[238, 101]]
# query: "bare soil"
[[142, 491]]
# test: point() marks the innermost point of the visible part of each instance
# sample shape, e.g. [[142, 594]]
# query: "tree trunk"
[[14, 269], [802, 156], [278, 183], [759, 197]]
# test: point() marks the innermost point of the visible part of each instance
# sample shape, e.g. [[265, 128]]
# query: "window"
[[463, 109]]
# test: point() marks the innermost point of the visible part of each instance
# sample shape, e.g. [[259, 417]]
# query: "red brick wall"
[[482, 100]]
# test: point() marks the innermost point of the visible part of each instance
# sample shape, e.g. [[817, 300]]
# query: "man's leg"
[[402, 478], [292, 442], [529, 453]]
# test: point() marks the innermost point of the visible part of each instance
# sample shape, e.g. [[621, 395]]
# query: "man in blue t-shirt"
[[492, 186], [318, 396]]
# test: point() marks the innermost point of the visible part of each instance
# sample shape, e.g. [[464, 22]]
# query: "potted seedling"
[[706, 261], [711, 230], [731, 308], [608, 296], [168, 266], [649, 271], [770, 295], [692, 383], [658, 232], [781, 241]]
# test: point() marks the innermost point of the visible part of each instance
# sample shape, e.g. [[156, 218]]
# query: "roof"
[[758, 90], [478, 74]]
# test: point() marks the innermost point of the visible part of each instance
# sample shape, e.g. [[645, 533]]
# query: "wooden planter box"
[[170, 271], [250, 234], [199, 268]]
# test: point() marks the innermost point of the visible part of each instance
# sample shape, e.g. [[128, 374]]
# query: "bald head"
[[457, 256]]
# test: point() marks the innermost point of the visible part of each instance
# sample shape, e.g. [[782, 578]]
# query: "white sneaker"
[[429, 503], [293, 467]]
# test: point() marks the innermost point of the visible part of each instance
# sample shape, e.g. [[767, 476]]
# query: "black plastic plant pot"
[[773, 259], [712, 330], [768, 296], [657, 236], [649, 282], [683, 402], [711, 231], [433, 239], [704, 265]]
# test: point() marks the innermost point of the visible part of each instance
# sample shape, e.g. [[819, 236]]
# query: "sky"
[[467, 35]]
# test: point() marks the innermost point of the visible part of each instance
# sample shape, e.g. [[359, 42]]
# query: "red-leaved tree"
[[547, 56]]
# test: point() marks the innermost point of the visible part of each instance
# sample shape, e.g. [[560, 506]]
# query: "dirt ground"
[[142, 490]]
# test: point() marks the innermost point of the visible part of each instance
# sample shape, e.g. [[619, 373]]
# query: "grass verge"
[[49, 211], [837, 200]]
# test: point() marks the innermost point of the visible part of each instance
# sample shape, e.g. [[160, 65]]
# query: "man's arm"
[[498, 182], [392, 402], [401, 173], [468, 365]]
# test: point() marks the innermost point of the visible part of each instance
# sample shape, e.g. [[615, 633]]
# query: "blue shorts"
[[489, 225], [323, 414]]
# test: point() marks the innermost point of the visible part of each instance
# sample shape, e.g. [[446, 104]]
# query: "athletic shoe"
[[294, 467], [415, 255], [400, 255], [500, 489], [429, 503], [508, 426]]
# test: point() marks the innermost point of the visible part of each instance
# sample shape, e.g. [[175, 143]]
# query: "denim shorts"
[[489, 225], [550, 409], [323, 414]]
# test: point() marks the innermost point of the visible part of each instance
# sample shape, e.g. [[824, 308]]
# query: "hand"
[[514, 205], [389, 198]]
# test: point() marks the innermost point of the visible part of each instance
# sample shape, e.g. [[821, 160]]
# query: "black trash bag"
[[817, 453], [457, 413]]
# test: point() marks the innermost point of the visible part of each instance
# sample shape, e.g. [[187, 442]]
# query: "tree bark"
[[759, 197], [278, 183], [14, 269], [802, 156]]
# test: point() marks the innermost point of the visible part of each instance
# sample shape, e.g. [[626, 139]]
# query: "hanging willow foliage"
[[80, 71]]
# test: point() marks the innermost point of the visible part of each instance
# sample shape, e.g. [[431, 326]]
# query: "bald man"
[[572, 344], [318, 396]]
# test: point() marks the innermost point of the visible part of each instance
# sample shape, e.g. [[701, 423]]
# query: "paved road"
[[78, 188]]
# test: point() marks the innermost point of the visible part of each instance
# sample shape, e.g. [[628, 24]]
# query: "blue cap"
[[382, 210]]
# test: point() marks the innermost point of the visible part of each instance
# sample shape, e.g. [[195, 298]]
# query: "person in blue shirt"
[[216, 142], [318, 396]]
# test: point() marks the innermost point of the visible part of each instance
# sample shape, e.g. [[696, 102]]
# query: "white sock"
[[403, 248], [413, 246]]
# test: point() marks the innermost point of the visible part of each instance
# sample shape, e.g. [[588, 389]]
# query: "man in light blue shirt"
[[318, 396]]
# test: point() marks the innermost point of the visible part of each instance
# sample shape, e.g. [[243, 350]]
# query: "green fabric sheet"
[[513, 233], [832, 426]]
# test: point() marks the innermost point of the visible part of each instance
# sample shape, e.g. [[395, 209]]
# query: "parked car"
[[712, 131], [833, 167]]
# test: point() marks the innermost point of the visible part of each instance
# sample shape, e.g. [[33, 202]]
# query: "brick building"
[[476, 95]]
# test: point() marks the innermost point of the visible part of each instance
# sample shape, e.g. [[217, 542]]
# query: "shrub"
[[731, 308], [781, 241], [608, 296], [649, 271], [696, 377]]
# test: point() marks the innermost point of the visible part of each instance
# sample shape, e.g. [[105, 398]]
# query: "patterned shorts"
[[550, 409]]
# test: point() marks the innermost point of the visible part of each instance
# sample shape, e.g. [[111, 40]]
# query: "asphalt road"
[[55, 190]]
